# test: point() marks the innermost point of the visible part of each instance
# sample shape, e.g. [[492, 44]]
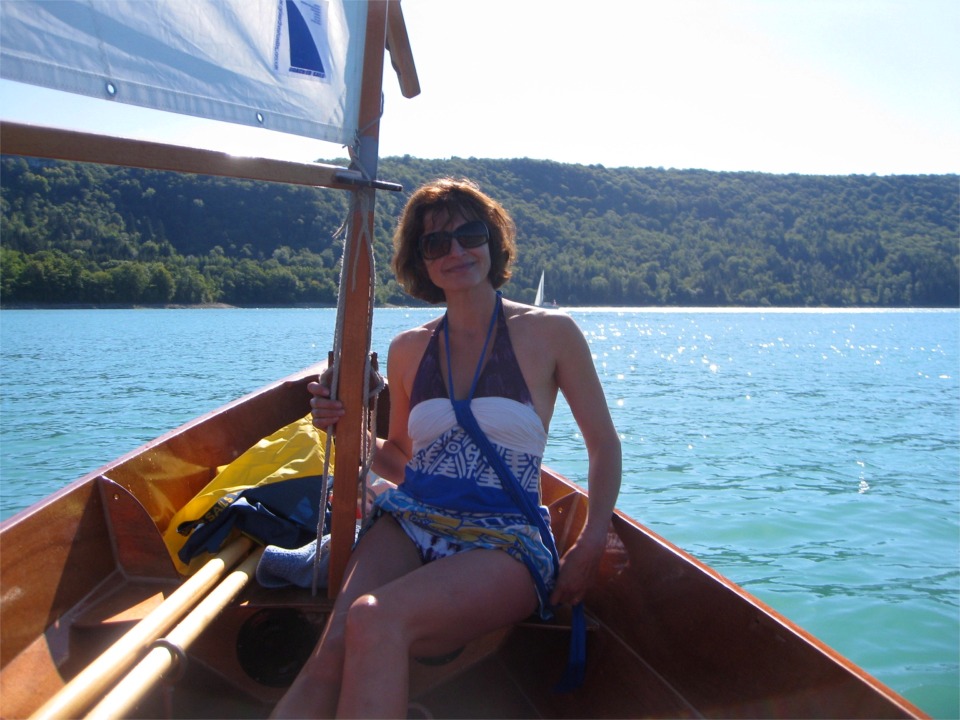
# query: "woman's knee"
[[371, 624]]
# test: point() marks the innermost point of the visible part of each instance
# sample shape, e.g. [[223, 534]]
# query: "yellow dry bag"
[[294, 451]]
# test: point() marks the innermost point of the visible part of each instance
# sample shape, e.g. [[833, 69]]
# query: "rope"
[[352, 150], [369, 427]]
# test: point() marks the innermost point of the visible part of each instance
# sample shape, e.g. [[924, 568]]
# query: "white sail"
[[538, 301], [288, 65]]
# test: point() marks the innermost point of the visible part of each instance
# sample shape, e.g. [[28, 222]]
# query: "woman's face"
[[461, 268]]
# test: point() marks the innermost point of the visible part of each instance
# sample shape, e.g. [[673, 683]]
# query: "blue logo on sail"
[[300, 44], [304, 54]]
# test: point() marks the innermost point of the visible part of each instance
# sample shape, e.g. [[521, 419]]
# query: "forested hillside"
[[75, 233]]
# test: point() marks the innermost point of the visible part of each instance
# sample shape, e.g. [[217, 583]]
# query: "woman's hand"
[[376, 486], [578, 568], [326, 412]]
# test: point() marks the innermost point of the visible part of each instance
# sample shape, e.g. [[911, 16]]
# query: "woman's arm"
[[577, 379]]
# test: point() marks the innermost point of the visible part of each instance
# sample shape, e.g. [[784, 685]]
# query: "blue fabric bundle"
[[281, 567], [284, 514]]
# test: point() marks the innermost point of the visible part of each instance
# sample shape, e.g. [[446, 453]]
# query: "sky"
[[831, 87]]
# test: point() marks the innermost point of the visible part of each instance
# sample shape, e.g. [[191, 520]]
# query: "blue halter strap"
[[576, 666]]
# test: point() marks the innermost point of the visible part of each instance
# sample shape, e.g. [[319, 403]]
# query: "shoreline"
[[568, 308], [145, 306]]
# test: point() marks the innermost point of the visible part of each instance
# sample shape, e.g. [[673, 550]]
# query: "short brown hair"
[[453, 197]]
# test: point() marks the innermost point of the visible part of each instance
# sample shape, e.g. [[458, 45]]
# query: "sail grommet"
[[111, 89], [179, 668]]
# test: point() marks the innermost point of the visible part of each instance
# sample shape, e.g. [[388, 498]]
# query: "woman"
[[449, 556]]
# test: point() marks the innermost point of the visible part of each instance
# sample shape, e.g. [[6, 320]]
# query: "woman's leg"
[[383, 554], [430, 611]]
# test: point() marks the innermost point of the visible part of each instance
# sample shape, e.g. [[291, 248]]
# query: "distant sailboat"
[[538, 301]]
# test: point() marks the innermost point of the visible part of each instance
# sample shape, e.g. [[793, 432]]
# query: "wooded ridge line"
[[88, 234]]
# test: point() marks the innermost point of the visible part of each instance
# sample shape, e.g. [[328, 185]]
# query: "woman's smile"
[[458, 264]]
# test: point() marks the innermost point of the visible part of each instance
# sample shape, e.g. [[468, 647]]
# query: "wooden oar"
[[77, 695], [172, 649]]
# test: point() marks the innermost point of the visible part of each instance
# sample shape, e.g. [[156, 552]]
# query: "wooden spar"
[[59, 144], [149, 671], [358, 305], [401, 55], [77, 695]]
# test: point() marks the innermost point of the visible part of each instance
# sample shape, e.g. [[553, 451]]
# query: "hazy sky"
[[806, 86]]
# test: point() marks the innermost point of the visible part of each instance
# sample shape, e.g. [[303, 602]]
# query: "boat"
[[538, 300], [97, 620], [667, 636]]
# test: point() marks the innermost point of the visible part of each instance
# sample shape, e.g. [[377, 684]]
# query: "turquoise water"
[[811, 457]]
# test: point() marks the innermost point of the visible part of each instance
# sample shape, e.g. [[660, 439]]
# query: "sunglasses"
[[437, 244]]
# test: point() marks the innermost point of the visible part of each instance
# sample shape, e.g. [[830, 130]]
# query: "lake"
[[813, 457]]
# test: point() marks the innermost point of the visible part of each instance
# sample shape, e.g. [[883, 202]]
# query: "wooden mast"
[[385, 30], [355, 277]]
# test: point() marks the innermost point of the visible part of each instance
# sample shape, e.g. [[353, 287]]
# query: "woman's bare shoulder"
[[414, 340], [541, 322]]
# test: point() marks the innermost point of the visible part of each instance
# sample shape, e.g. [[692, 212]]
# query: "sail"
[[538, 301], [293, 66]]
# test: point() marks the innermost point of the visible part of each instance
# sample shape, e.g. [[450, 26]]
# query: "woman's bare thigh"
[[383, 554], [448, 602]]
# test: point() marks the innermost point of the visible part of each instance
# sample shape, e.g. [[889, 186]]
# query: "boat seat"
[[561, 620], [257, 596], [120, 604]]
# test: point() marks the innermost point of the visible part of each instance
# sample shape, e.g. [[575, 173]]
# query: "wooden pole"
[[39, 141], [81, 692], [356, 275], [401, 55], [150, 671]]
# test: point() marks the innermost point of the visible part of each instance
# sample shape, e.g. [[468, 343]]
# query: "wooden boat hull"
[[668, 637]]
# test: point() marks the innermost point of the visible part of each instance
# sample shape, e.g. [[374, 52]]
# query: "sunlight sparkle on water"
[[863, 486]]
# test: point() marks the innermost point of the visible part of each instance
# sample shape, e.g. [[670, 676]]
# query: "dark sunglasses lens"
[[471, 235], [435, 245]]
